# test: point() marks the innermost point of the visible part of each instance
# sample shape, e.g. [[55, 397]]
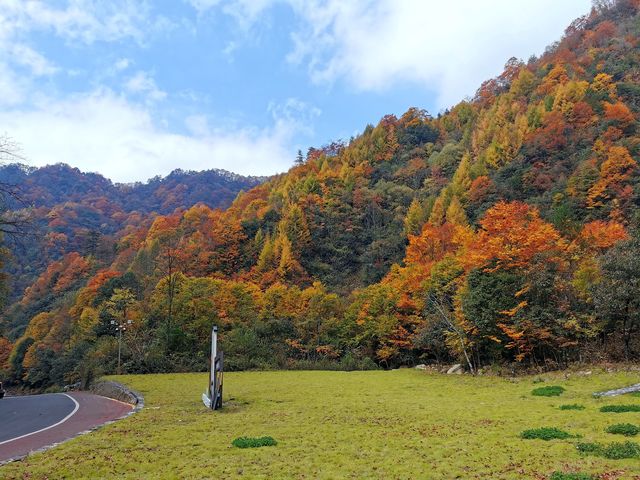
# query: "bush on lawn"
[[626, 429], [545, 433], [249, 442], [620, 408], [613, 451], [571, 476], [589, 448], [549, 391]]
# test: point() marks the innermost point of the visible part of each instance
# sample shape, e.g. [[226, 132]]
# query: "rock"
[[422, 366], [455, 370], [72, 388], [619, 391]]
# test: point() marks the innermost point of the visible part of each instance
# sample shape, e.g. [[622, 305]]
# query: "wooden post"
[[213, 397]]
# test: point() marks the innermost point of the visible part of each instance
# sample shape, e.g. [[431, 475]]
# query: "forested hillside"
[[69, 211], [502, 230]]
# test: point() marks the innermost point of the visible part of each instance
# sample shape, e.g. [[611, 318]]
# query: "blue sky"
[[134, 88]]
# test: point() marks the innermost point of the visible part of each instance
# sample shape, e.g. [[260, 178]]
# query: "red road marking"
[[92, 411]]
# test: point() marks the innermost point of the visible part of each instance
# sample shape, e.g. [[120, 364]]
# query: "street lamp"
[[120, 327]]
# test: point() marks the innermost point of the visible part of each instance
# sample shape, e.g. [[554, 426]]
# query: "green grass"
[[545, 433], [401, 424], [614, 450], [254, 442], [549, 391], [620, 408], [572, 406], [571, 476], [626, 429]]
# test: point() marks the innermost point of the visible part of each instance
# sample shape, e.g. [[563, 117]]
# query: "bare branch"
[[445, 316], [10, 150]]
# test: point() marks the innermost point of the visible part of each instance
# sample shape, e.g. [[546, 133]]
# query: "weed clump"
[[249, 442], [572, 406], [571, 476], [626, 429], [613, 451], [550, 391], [589, 448], [545, 433], [620, 408]]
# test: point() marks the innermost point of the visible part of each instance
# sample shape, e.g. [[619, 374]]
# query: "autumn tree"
[[617, 295], [615, 173], [417, 215], [5, 351], [165, 236], [511, 234]]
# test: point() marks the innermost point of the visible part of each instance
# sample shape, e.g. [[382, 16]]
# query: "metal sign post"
[[212, 398]]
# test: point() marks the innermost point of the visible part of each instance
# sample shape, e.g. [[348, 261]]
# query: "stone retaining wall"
[[117, 391]]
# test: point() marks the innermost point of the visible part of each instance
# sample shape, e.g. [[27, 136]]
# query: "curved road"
[[33, 422]]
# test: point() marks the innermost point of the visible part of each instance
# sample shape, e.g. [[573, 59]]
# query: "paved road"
[[24, 415], [32, 422]]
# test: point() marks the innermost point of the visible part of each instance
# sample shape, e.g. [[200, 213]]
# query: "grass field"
[[401, 424]]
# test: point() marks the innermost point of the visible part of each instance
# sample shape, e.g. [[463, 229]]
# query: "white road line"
[[50, 426]]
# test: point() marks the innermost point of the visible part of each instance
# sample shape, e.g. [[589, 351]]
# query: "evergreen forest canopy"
[[505, 230]]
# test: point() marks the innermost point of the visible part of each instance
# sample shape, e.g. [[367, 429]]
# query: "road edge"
[[104, 388]]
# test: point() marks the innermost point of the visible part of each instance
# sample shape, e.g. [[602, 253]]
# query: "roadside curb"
[[115, 391]]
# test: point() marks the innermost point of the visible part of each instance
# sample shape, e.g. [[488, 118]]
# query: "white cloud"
[[202, 6], [372, 45], [28, 57], [123, 135], [229, 48], [245, 12], [295, 112], [447, 47], [104, 132], [121, 64], [87, 21], [12, 89], [142, 83]]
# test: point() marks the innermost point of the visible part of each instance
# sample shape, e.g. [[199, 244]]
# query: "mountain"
[[73, 211], [502, 230], [57, 184]]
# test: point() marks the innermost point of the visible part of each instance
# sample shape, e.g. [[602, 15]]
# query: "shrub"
[[545, 433], [572, 406], [614, 451], [626, 429], [550, 391], [570, 476], [589, 448], [249, 442], [620, 408], [619, 450]]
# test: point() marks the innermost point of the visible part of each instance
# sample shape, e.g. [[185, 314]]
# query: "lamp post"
[[120, 327]]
